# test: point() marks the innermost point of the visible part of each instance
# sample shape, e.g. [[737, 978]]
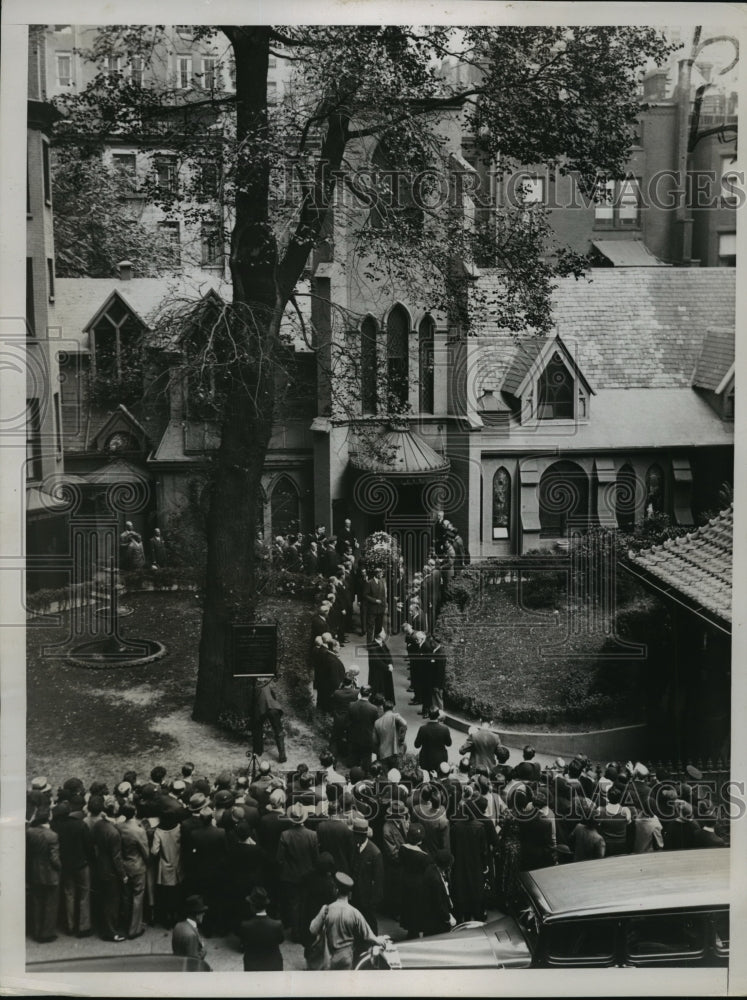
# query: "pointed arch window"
[[501, 503], [368, 365], [555, 391], [285, 507], [397, 331], [426, 349], [117, 353], [654, 490], [626, 496]]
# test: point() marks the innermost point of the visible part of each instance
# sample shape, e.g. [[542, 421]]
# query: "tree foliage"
[[361, 159]]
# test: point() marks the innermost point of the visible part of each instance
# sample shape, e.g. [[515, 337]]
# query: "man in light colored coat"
[[389, 736]]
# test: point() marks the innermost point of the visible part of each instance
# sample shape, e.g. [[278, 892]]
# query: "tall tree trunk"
[[230, 583]]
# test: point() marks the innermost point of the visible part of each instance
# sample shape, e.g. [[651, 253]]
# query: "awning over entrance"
[[401, 454], [627, 253]]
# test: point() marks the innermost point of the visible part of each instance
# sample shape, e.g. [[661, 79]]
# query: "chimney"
[[124, 270], [655, 85]]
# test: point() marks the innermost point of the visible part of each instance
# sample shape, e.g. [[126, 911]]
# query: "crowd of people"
[[327, 851]]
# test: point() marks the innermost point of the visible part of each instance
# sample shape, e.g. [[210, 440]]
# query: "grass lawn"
[[99, 723], [519, 665]]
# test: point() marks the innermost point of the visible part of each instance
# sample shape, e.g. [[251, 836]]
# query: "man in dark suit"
[[381, 667], [43, 868], [362, 716], [329, 673], [346, 536], [261, 936], [311, 560], [375, 596], [185, 937], [267, 707], [110, 871], [319, 623], [368, 874], [76, 855], [340, 703], [206, 868], [433, 738], [334, 835], [528, 769]]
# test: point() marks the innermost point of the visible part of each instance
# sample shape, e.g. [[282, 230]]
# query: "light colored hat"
[[40, 785], [297, 813], [640, 770], [394, 775], [605, 784]]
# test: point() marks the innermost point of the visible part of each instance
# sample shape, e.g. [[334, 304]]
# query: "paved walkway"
[[355, 652]]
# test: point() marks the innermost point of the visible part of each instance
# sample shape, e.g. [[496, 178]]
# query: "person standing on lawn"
[[267, 707]]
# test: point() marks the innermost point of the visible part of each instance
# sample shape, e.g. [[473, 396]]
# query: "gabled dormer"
[[545, 384], [115, 334], [121, 434], [713, 377]]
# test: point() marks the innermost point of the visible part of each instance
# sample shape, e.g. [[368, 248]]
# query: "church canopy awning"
[[399, 453]]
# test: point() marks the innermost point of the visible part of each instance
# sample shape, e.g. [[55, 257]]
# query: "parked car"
[[662, 909], [121, 963]]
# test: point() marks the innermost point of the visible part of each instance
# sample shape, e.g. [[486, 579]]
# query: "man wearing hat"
[[261, 936], [185, 937], [135, 857], [76, 856], [298, 850], [260, 786], [206, 867], [433, 738], [367, 873], [43, 871], [267, 708], [345, 928]]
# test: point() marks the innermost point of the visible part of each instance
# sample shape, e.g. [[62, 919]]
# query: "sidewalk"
[[355, 653]]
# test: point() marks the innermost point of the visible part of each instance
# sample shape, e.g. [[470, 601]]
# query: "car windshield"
[[526, 916]]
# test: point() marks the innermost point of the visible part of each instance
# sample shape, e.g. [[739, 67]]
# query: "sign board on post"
[[254, 650]]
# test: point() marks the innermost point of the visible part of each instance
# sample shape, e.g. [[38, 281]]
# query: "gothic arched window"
[[368, 365], [397, 350], [426, 349], [654, 490], [501, 503], [284, 507], [555, 391]]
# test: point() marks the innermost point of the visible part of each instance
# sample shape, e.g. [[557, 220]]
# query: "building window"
[[531, 190], [46, 174], [368, 366], [555, 391], [654, 491], [171, 233], [184, 72], [125, 167], [64, 69], [209, 176], [729, 180], [626, 498], [729, 406], [563, 499], [272, 92], [501, 503], [426, 350], [165, 170], [33, 441], [212, 244], [285, 507], [617, 204], [57, 424], [50, 279], [113, 65], [136, 71], [272, 61], [115, 342], [30, 320], [397, 330], [727, 250], [208, 80]]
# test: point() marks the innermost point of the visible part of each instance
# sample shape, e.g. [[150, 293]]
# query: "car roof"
[[663, 880], [139, 962]]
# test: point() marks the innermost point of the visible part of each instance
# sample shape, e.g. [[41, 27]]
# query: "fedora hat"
[[361, 826], [194, 905], [297, 813], [196, 802]]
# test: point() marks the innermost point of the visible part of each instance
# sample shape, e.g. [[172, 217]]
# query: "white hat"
[[640, 770], [394, 775]]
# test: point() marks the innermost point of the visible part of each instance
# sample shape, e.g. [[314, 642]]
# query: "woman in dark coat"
[[319, 891], [469, 845], [414, 862]]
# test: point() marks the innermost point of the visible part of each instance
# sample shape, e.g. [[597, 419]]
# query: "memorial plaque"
[[254, 650]]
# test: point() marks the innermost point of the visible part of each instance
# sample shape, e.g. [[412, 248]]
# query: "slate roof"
[[634, 328], [525, 356], [696, 566], [716, 359]]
